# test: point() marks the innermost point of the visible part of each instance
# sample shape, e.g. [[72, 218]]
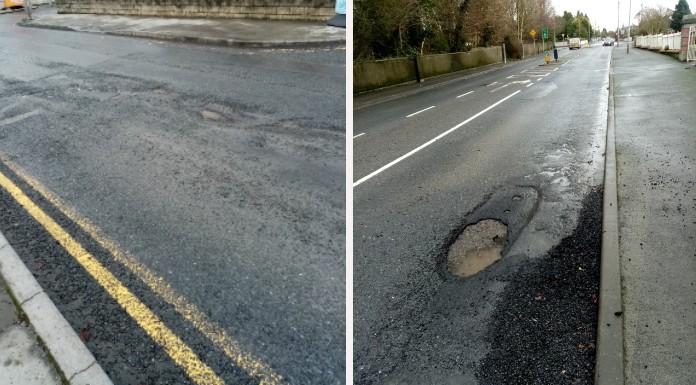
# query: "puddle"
[[477, 247]]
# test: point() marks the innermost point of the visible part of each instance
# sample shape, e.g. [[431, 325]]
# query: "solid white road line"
[[408, 116], [358, 135], [422, 146], [464, 94]]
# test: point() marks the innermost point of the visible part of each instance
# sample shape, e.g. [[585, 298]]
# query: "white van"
[[574, 43]]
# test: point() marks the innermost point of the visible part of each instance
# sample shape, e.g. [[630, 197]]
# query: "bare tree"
[[654, 20]]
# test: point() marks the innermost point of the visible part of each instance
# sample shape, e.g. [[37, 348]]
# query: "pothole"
[[477, 247]]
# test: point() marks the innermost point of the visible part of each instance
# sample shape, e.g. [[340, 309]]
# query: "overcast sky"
[[603, 13]]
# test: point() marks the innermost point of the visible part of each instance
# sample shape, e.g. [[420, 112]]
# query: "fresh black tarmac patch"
[[544, 329]]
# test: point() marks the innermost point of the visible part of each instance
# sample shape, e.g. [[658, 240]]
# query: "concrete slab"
[[22, 360], [226, 32]]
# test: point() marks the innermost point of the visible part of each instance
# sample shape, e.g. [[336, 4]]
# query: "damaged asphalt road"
[[222, 171], [528, 168], [545, 326]]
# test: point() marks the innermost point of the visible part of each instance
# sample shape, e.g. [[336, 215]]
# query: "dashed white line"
[[358, 135], [464, 94], [529, 85], [415, 113], [422, 146], [19, 118]]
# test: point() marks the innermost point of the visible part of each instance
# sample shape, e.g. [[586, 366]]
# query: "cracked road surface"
[[183, 205]]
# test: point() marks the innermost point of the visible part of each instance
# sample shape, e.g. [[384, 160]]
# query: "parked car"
[[574, 43]]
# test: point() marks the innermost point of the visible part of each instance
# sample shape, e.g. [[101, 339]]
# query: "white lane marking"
[[408, 116], [19, 118], [358, 135], [431, 141], [529, 85], [492, 84], [464, 94], [512, 82]]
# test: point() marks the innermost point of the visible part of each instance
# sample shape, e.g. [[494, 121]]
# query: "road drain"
[[477, 247]]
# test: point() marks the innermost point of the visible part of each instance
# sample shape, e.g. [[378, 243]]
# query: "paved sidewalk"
[[226, 32], [22, 360], [655, 120]]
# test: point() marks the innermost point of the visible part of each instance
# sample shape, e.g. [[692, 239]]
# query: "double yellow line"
[[183, 355]]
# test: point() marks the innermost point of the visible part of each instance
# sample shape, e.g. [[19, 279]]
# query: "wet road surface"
[[522, 145], [198, 199]]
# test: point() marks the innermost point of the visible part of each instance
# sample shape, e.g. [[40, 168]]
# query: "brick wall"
[[239, 9]]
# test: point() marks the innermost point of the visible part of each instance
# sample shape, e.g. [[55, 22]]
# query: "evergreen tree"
[[681, 9]]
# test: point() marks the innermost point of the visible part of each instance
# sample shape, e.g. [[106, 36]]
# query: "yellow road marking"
[[216, 334], [199, 372]]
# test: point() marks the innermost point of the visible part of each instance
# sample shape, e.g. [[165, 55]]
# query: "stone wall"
[[434, 65], [376, 74], [239, 9], [383, 73]]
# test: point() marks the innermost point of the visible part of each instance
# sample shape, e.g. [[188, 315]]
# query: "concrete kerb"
[[68, 352], [197, 39], [609, 365]]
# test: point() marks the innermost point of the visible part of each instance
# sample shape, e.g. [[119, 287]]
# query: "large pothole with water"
[[478, 246]]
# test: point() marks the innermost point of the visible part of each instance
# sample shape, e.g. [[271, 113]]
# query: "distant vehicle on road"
[[574, 43], [608, 43]]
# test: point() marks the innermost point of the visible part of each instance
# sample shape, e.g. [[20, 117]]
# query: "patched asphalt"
[[544, 328]]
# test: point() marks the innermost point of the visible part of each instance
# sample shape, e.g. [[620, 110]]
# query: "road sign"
[[544, 33], [546, 53], [532, 32]]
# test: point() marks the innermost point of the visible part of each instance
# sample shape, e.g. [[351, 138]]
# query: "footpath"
[[225, 32], [37, 345], [654, 99]]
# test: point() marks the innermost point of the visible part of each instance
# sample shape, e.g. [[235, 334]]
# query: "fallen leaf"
[[84, 335]]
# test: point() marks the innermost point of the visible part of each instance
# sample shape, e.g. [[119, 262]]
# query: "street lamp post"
[[618, 32], [628, 44]]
